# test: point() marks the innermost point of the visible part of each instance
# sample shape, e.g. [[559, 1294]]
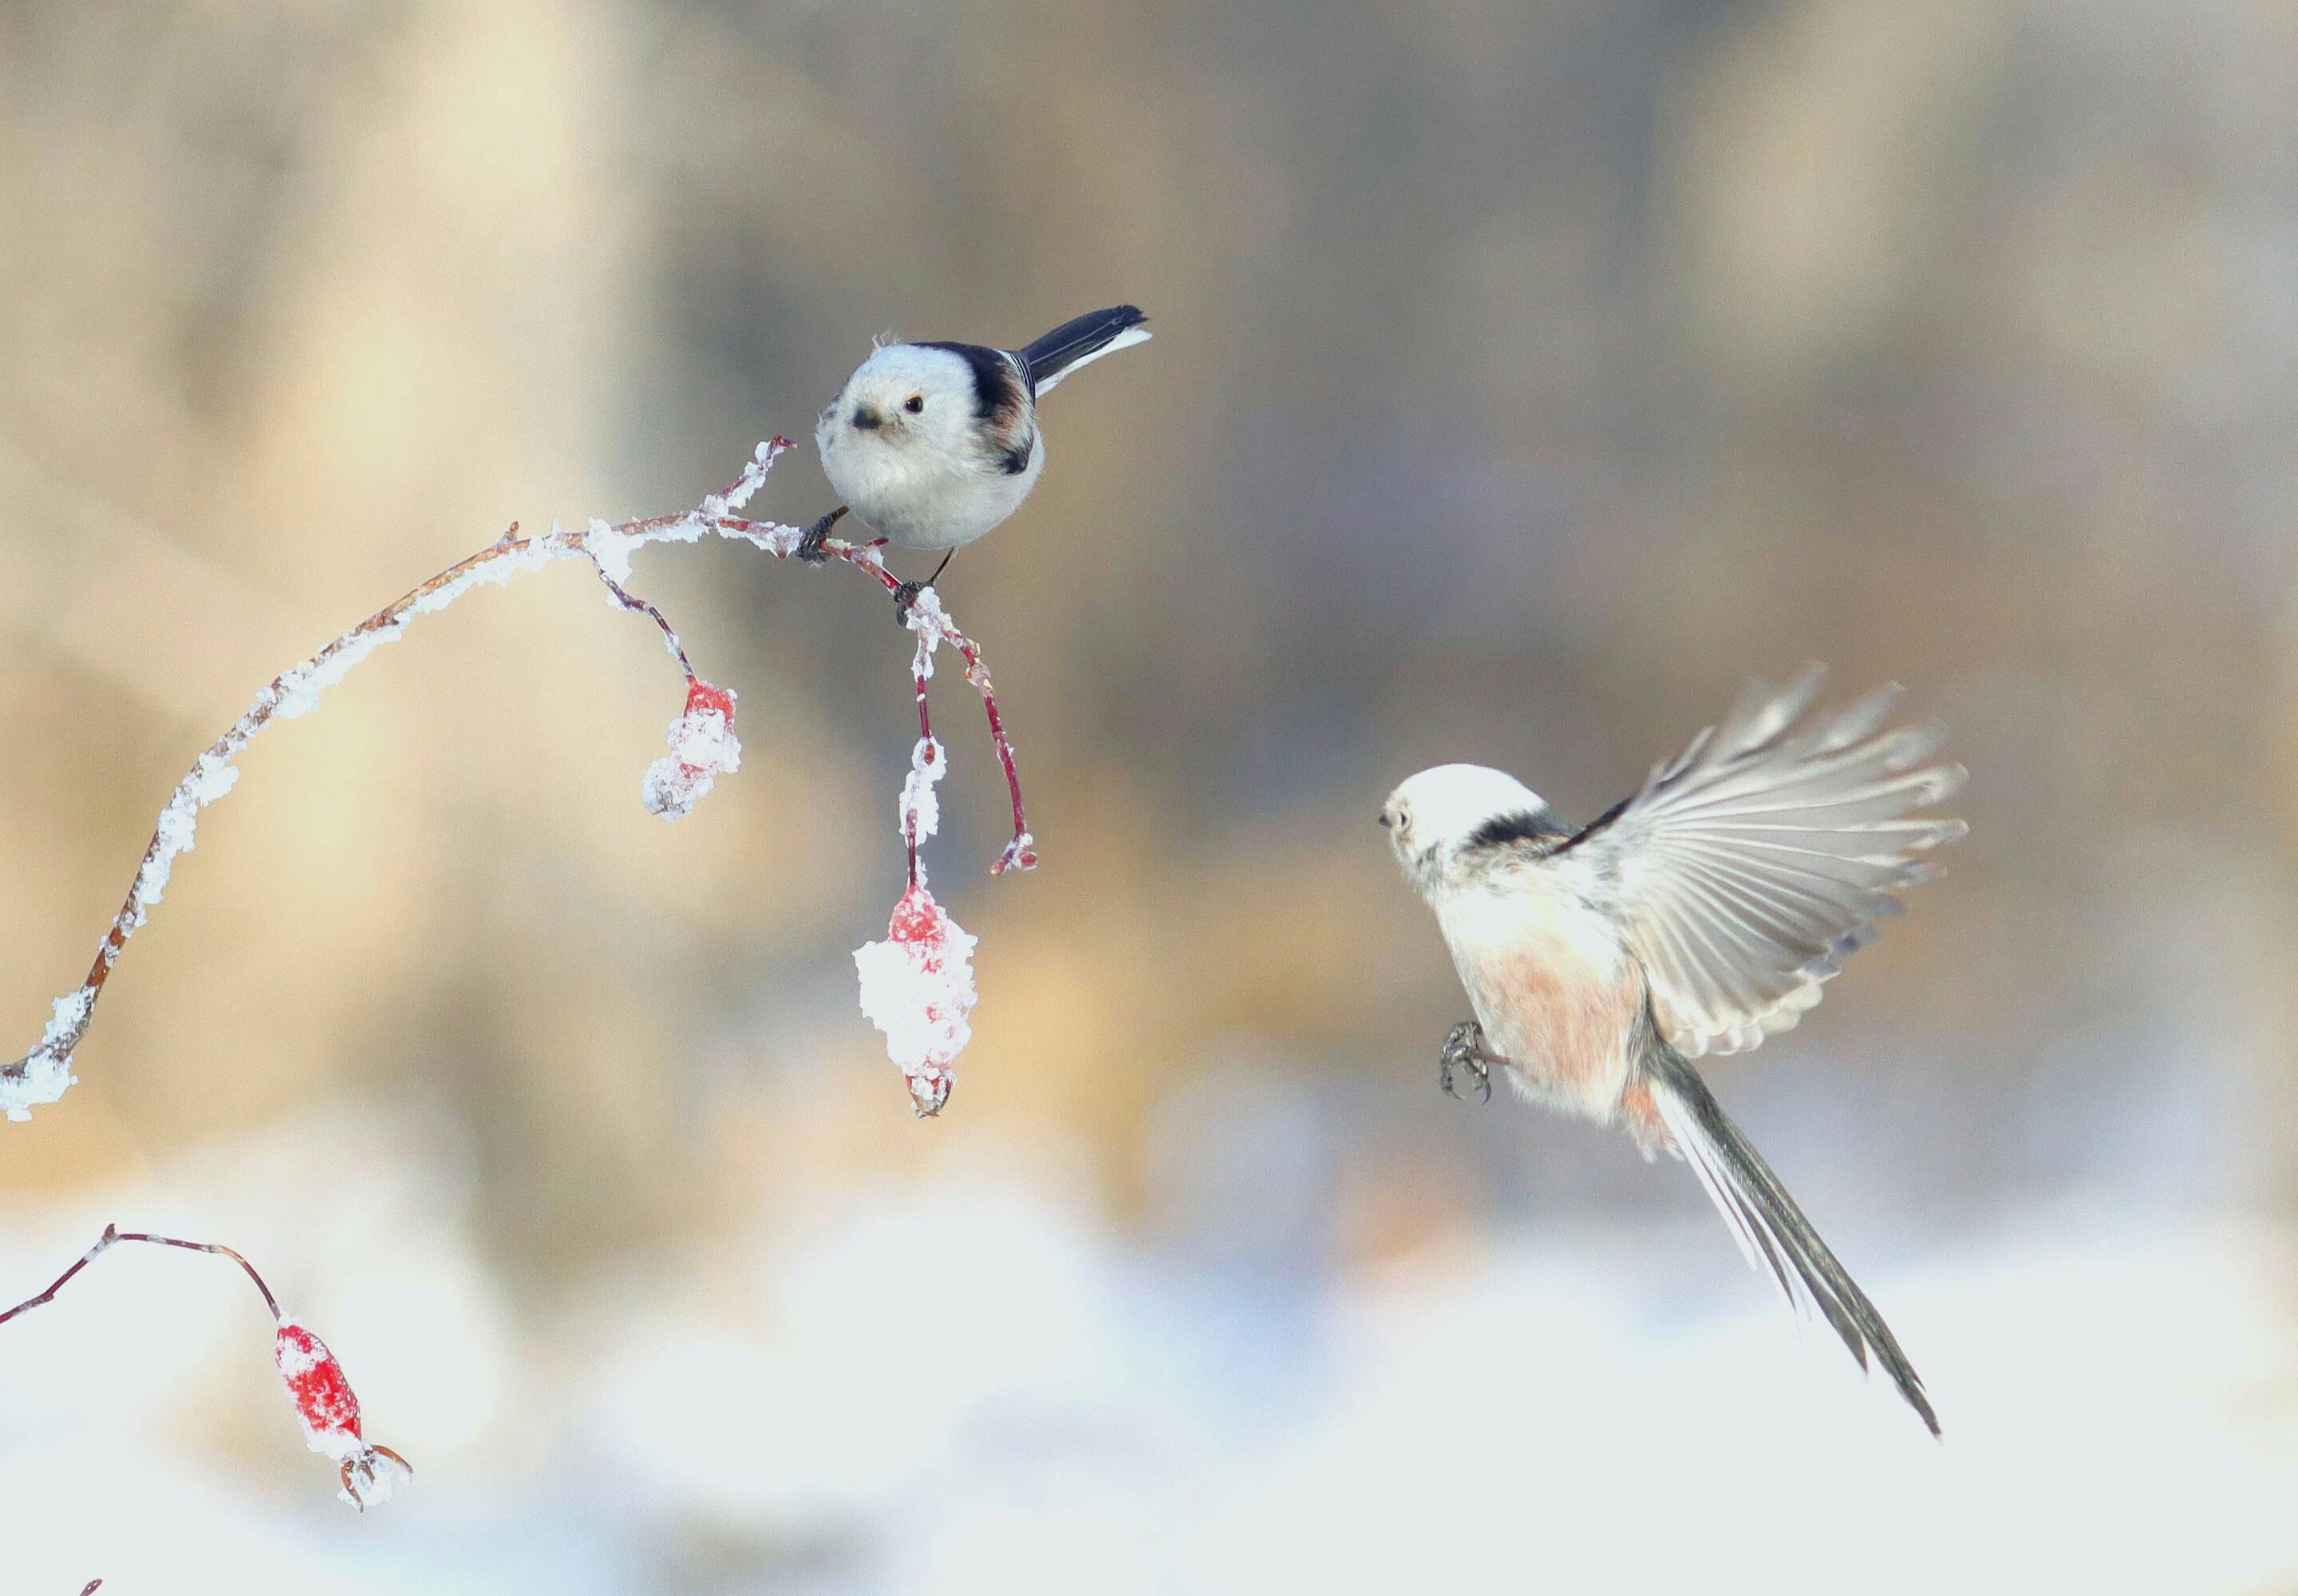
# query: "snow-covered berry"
[[917, 988], [702, 748], [329, 1411]]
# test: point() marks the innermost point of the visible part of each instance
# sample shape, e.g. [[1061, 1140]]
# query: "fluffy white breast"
[[905, 449]]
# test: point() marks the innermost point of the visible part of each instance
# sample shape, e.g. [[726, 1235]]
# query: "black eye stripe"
[[1524, 825]]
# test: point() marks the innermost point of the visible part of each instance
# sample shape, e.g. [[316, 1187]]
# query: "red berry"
[[918, 920], [323, 1398], [701, 695]]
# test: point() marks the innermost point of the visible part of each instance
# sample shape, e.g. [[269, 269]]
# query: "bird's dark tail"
[[1080, 343], [1768, 1225]]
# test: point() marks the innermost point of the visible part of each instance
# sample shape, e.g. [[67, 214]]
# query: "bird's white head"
[[907, 398], [1450, 810]]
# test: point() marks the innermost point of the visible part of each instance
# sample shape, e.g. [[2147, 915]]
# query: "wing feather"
[[1748, 867]]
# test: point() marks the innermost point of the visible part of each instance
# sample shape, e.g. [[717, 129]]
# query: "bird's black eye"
[[915, 403]]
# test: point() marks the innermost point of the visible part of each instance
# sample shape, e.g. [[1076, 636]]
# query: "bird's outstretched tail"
[[1768, 1225], [1080, 343]]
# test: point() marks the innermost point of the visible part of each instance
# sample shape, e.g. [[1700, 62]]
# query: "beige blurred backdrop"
[[1525, 378]]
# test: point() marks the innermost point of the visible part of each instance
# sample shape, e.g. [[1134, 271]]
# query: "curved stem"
[[41, 1074], [112, 1235]]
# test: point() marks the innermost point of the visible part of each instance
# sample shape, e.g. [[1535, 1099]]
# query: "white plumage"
[[931, 445], [1700, 915], [935, 477]]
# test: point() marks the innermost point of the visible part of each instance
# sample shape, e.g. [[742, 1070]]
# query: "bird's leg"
[[1464, 1049], [810, 546], [906, 595]]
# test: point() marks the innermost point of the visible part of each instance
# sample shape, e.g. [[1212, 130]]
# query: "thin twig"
[[111, 1235], [41, 1074], [640, 605], [929, 750]]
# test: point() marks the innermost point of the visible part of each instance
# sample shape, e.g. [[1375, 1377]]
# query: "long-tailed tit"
[[1699, 916], [933, 444]]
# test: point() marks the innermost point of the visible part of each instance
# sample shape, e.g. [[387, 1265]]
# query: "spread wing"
[[1748, 867]]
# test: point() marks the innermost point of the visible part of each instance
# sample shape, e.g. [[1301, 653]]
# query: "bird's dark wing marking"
[[996, 386], [1595, 827]]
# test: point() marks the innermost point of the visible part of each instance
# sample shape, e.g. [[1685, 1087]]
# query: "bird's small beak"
[[865, 419], [1384, 817]]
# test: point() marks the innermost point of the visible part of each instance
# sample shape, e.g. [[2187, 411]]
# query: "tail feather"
[[1772, 1231], [1080, 343]]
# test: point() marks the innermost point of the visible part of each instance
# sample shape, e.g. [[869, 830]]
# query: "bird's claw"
[[905, 595], [810, 545], [1464, 1049]]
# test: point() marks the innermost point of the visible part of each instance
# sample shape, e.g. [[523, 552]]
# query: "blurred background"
[[1525, 378]]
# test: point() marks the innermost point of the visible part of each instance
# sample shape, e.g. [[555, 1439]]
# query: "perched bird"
[[932, 444], [1699, 916]]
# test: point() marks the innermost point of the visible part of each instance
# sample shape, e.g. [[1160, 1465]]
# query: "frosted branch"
[[702, 742]]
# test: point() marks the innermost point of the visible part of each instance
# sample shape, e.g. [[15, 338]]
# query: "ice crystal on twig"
[[920, 814]]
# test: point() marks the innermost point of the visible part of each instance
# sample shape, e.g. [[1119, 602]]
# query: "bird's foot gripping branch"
[[917, 986]]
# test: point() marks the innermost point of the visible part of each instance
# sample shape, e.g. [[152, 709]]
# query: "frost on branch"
[[753, 478], [210, 780], [917, 986], [702, 748], [702, 744], [323, 1399], [920, 814]]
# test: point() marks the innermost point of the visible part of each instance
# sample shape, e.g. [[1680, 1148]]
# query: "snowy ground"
[[963, 1384]]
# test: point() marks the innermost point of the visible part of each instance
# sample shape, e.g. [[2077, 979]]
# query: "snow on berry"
[[329, 1411], [702, 748], [917, 988]]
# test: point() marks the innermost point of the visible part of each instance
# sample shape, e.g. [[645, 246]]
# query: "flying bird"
[[931, 445], [1699, 916]]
